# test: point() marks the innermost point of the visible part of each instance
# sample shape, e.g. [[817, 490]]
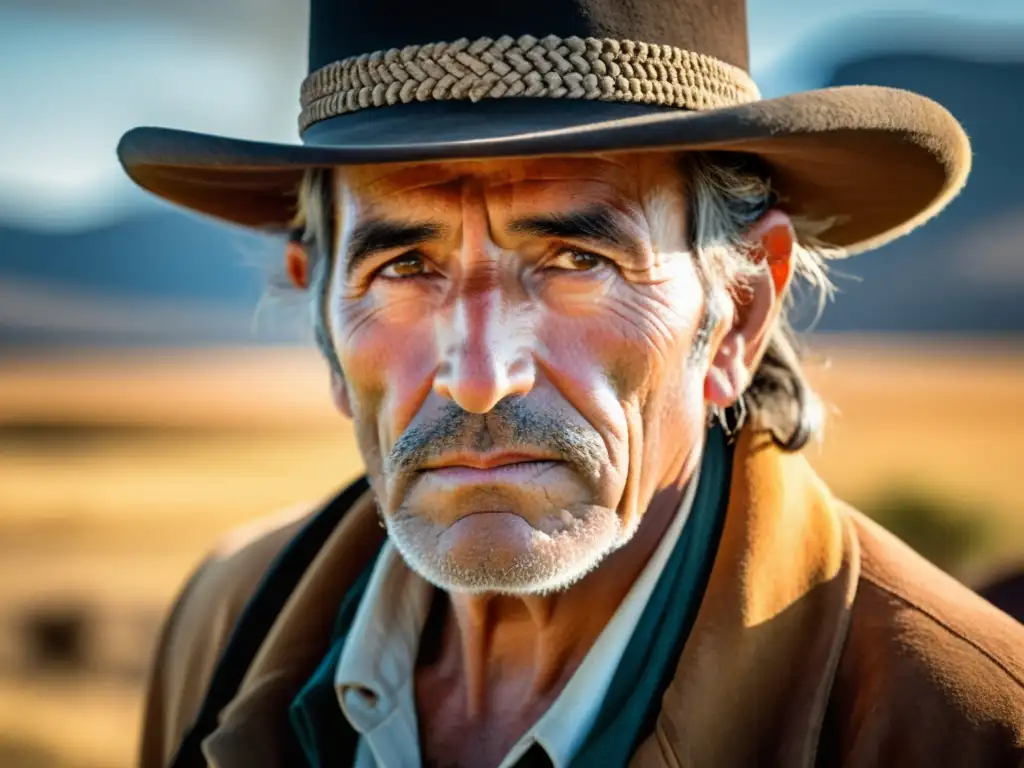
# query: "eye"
[[405, 266], [576, 260]]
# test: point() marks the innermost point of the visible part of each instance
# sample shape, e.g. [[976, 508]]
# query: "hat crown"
[[340, 29]]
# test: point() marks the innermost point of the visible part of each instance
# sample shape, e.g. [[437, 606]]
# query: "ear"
[[296, 262], [339, 393], [756, 308]]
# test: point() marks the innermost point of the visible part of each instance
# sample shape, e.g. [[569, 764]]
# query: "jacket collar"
[[755, 675], [252, 727], [759, 660]]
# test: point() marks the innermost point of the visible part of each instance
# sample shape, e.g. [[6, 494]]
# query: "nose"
[[485, 358]]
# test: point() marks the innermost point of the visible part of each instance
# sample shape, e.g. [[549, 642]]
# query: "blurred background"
[[146, 407]]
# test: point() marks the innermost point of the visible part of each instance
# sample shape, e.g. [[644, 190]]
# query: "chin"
[[500, 551]]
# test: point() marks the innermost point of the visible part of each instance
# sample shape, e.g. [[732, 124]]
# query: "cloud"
[[64, 114]]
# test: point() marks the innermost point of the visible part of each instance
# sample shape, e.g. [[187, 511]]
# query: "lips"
[[521, 471], [485, 468], [486, 461]]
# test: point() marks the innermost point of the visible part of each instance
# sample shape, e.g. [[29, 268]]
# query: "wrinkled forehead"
[[628, 177]]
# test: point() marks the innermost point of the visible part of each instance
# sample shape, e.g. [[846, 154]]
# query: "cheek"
[[638, 336], [388, 357], [626, 353]]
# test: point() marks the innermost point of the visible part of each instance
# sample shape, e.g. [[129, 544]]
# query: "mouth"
[[492, 466]]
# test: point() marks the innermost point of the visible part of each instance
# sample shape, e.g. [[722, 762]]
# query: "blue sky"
[[75, 74]]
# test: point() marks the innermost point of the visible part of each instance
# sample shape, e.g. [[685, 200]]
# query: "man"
[[548, 275]]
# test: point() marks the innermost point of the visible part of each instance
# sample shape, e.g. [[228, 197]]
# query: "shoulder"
[[200, 623], [930, 669], [923, 603], [214, 597]]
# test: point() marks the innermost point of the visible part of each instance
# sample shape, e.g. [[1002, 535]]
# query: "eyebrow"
[[376, 235], [598, 225]]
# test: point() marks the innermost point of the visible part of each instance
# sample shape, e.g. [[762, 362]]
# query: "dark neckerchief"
[[648, 665]]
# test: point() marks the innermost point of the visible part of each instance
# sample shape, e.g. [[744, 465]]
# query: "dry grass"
[[147, 460], [945, 419]]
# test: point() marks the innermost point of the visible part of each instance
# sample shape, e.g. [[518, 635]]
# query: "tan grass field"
[[118, 472]]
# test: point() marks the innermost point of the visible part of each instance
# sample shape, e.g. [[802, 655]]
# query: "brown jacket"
[[821, 641]]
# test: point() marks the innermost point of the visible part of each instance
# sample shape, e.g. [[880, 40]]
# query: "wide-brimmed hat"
[[398, 81]]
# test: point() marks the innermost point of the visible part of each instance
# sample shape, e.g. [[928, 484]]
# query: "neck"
[[520, 649]]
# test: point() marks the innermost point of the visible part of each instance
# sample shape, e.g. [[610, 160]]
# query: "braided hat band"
[[550, 67]]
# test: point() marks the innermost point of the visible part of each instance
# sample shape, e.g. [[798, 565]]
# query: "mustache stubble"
[[510, 425]]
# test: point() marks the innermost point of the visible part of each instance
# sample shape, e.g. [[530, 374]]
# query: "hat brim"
[[879, 161]]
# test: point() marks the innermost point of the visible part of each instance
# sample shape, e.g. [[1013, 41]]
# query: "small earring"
[[733, 419]]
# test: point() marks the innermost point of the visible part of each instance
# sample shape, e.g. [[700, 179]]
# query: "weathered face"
[[517, 344]]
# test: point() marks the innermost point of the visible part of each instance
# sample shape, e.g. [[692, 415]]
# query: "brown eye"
[[574, 260], [409, 265]]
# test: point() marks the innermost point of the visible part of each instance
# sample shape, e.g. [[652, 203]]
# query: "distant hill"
[[171, 277], [157, 255], [165, 277], [963, 271]]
